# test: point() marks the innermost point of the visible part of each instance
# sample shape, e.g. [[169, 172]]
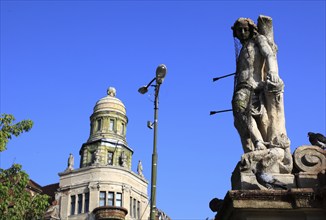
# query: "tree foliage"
[[16, 202], [7, 129]]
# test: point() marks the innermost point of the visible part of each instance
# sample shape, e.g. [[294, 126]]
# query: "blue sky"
[[59, 57]]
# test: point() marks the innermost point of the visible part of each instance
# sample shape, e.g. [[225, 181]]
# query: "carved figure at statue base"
[[257, 101]]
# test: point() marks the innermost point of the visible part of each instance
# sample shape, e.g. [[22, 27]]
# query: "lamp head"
[[143, 90], [150, 124], [160, 73]]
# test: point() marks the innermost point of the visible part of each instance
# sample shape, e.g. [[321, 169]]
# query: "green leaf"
[[16, 201], [8, 128]]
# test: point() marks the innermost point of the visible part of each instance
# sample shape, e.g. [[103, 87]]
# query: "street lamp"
[[160, 74]]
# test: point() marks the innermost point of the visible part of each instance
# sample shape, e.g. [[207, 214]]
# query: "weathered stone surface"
[[273, 204], [271, 160], [308, 180], [258, 111], [94, 179], [310, 166], [310, 159], [247, 181], [105, 168], [257, 104]]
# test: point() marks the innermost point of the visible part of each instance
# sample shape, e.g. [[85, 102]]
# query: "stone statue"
[[111, 91], [70, 162], [53, 211], [257, 101], [140, 169], [123, 159], [97, 156]]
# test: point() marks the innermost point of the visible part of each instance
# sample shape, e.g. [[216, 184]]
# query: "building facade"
[[104, 177]]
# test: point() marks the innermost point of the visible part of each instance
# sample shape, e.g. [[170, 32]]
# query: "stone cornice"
[[261, 200], [108, 167], [105, 140]]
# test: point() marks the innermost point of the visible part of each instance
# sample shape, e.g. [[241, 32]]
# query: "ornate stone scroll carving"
[[310, 159]]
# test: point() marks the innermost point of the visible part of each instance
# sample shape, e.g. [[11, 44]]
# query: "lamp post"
[[160, 74]]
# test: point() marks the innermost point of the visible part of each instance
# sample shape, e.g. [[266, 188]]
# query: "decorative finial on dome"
[[111, 91]]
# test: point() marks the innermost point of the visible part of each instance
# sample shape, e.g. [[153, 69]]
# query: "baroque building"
[[104, 186]]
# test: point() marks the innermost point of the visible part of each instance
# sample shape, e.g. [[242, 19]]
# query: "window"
[[80, 203], [102, 198], [122, 131], [138, 210], [92, 155], [92, 127], [118, 201], [99, 124], [110, 158], [130, 207], [111, 198], [86, 204], [134, 208], [72, 204], [111, 127]]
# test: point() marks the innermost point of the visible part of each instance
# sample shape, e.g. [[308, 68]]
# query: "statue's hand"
[[256, 85], [273, 77]]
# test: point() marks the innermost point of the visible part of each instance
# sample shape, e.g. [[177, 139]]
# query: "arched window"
[[122, 128]]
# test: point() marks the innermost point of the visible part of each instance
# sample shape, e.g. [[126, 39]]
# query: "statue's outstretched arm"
[[270, 58]]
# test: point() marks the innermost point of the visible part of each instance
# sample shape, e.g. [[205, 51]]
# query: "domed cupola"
[[109, 118], [107, 143]]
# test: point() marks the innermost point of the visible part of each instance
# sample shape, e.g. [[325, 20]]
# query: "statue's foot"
[[260, 146], [244, 164]]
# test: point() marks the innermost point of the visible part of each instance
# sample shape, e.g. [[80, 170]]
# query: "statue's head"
[[244, 29]]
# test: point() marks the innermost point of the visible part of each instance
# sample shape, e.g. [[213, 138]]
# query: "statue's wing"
[[265, 27]]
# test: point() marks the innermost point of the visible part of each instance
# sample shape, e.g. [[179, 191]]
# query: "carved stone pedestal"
[[304, 199], [247, 181], [294, 204], [310, 180]]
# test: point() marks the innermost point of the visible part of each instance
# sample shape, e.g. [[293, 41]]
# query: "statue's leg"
[[262, 118], [243, 132], [240, 104], [255, 134], [255, 123]]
